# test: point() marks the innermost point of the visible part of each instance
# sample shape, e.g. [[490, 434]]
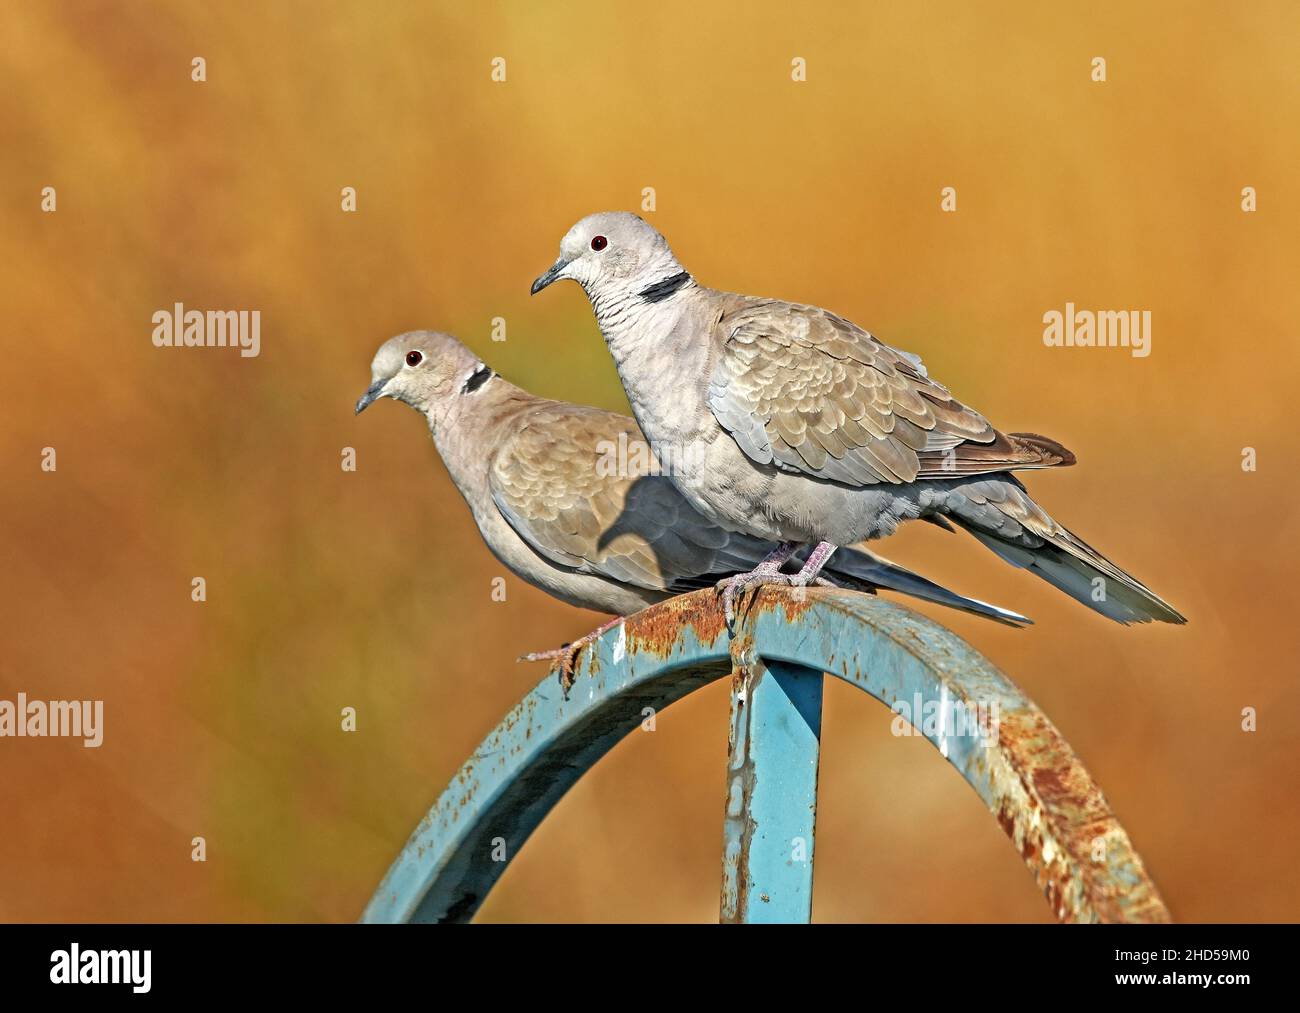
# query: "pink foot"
[[767, 573], [567, 654]]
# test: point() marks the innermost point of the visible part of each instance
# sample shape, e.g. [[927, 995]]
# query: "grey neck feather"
[[629, 305], [658, 348], [467, 431]]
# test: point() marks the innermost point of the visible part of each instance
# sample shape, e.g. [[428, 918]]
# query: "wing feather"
[[565, 486], [807, 391]]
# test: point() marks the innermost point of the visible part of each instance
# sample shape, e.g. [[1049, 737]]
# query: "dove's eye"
[[414, 358], [598, 243]]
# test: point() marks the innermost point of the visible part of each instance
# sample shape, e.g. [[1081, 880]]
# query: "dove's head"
[[614, 254], [425, 369]]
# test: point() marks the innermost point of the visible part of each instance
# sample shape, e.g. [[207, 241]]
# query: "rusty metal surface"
[[1026, 774]]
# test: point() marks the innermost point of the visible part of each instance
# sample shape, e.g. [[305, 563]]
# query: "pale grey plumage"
[[807, 391], [565, 496], [798, 425]]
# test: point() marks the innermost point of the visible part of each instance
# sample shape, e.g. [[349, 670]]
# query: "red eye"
[[598, 243], [414, 358]]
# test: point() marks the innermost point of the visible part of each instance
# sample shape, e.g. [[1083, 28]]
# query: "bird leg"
[[769, 572], [768, 568], [567, 654], [813, 564]]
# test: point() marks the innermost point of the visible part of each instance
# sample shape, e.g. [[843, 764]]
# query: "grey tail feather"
[[855, 567], [1073, 566]]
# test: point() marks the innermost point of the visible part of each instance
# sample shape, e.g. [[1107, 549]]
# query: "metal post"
[[1026, 774], [776, 721]]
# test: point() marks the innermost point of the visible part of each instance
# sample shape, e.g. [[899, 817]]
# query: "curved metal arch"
[[1027, 775]]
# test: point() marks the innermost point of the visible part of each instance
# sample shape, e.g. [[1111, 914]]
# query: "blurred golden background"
[[371, 589]]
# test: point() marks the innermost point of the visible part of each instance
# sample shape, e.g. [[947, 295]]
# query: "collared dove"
[[796, 426], [566, 502]]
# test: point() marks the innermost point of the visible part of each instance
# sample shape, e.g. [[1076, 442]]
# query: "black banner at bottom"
[[303, 962]]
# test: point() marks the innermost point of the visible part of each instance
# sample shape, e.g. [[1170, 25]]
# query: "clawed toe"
[[566, 655], [567, 674], [558, 652], [730, 587], [740, 583]]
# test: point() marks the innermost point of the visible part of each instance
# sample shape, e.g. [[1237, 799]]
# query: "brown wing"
[[577, 484], [807, 391]]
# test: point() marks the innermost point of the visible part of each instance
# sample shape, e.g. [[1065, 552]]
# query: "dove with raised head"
[[797, 426]]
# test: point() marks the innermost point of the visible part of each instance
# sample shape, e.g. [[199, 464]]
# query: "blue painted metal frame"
[[1025, 772], [771, 814]]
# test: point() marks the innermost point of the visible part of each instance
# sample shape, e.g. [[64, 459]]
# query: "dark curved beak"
[[375, 392], [551, 274]]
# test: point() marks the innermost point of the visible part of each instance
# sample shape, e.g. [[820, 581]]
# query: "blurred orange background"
[[371, 589]]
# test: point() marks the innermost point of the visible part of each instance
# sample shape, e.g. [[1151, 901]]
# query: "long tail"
[[999, 512], [862, 570]]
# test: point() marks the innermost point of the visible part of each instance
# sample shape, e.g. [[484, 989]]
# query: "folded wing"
[[578, 485], [807, 391]]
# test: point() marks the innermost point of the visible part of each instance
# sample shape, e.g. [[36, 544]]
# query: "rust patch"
[[656, 629], [738, 825], [1049, 807], [794, 602]]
